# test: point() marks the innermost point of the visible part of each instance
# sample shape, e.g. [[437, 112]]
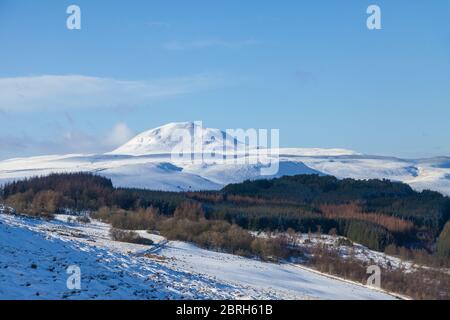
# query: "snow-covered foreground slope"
[[146, 162], [35, 255]]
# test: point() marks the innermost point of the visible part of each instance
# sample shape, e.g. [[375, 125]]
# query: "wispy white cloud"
[[50, 92], [207, 43], [69, 141], [119, 134]]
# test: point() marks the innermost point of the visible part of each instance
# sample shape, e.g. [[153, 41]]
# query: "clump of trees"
[[426, 208], [423, 283], [81, 192], [41, 204], [83, 219], [371, 235], [189, 210], [353, 211], [443, 244], [222, 236], [419, 256], [188, 223], [301, 219], [141, 219], [393, 212], [128, 236]]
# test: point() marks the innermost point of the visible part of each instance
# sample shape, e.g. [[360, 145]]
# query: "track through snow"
[[35, 254]]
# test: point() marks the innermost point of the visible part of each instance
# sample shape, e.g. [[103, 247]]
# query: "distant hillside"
[[151, 160], [381, 196]]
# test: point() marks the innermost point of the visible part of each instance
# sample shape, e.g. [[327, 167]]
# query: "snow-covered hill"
[[35, 255], [178, 136], [147, 162]]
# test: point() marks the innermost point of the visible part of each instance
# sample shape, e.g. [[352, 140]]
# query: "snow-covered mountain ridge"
[[147, 161], [177, 136]]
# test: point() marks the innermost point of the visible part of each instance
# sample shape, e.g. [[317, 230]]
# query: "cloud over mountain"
[[50, 92]]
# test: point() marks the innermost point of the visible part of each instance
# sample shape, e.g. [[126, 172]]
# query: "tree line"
[[376, 213]]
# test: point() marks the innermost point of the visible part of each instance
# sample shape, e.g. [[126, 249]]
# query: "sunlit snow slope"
[[35, 255]]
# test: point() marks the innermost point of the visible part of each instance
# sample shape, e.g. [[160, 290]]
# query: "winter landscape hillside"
[[147, 162], [224, 151], [36, 254]]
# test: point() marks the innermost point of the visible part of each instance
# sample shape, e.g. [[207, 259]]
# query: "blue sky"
[[310, 68]]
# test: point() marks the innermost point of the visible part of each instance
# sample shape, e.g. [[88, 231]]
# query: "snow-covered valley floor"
[[35, 254]]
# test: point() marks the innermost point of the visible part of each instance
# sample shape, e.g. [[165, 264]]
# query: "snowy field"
[[35, 255]]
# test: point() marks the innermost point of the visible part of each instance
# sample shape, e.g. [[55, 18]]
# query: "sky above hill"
[[309, 68]]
